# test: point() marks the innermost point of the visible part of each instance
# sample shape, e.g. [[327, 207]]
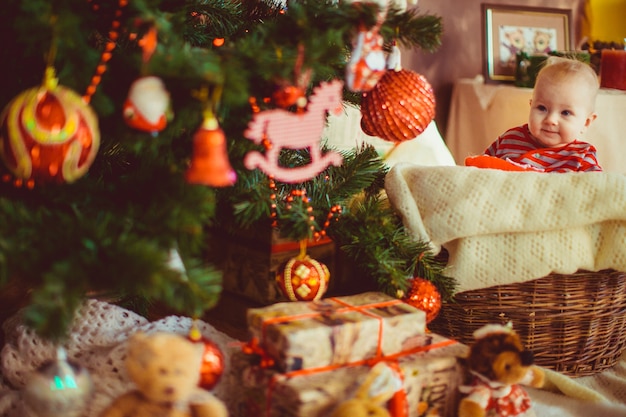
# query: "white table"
[[480, 112]]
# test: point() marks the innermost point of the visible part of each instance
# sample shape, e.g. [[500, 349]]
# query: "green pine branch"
[[111, 231]]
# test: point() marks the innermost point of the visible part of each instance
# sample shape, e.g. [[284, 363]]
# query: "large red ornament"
[[424, 295], [303, 279], [399, 107], [48, 134], [212, 366]]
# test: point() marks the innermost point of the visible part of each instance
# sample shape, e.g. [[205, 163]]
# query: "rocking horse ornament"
[[283, 129]]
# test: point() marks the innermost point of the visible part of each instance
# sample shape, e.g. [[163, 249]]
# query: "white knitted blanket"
[[97, 342], [503, 227]]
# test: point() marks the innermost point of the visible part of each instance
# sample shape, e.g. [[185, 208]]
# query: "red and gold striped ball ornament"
[[303, 279], [399, 107], [48, 134], [424, 295]]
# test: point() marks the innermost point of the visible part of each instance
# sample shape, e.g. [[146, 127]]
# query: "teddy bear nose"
[[527, 358]]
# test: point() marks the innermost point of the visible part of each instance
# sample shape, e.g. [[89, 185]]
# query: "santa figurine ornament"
[[147, 106]]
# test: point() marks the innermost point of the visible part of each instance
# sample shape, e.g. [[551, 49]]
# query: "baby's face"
[[559, 112]]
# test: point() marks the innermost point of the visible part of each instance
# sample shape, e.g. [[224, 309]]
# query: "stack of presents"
[[308, 358], [355, 348]]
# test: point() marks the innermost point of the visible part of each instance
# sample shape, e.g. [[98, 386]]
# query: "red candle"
[[613, 69]]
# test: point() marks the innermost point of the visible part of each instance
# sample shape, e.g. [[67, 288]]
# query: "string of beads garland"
[[334, 212], [108, 49]]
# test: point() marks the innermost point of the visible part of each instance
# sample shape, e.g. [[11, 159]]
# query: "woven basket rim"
[[573, 323]]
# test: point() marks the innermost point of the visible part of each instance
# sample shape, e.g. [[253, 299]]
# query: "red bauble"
[[424, 295], [288, 95], [212, 366], [48, 134], [399, 107], [303, 279]]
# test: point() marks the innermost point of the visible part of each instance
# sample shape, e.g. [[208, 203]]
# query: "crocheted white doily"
[[97, 342]]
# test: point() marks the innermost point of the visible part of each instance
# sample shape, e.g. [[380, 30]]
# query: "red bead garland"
[[106, 54]]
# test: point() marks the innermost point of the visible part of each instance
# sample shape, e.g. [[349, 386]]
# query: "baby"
[[561, 109]]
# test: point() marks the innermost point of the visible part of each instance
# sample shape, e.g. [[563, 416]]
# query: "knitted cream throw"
[[503, 227]]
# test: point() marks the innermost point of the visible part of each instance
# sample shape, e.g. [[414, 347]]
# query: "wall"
[[461, 53], [606, 20]]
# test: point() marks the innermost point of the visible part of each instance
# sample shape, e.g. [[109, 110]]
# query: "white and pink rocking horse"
[[287, 130]]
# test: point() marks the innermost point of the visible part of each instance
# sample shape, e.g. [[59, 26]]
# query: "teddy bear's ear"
[[139, 350]]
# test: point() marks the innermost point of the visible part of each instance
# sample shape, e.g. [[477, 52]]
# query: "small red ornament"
[[212, 366], [399, 107], [303, 279], [288, 95], [48, 134], [424, 295]]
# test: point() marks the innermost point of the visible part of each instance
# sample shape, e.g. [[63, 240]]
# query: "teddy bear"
[[165, 368], [370, 400], [498, 367]]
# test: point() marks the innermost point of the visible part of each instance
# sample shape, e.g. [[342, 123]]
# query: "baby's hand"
[[524, 166]]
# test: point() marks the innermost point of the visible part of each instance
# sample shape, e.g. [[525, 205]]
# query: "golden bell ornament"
[[209, 162], [399, 107]]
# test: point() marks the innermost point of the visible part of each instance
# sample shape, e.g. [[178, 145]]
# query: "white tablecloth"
[[480, 112]]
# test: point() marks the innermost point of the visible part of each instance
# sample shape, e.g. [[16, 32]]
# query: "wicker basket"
[[574, 324]]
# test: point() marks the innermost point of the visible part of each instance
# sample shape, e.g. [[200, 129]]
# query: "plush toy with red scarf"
[[498, 366]]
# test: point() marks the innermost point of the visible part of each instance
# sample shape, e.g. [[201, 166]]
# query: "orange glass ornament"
[[424, 295], [209, 162], [212, 365], [399, 107]]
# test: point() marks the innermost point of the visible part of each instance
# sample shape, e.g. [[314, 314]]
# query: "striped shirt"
[[518, 146]]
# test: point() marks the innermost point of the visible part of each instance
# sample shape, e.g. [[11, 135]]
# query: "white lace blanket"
[[504, 227], [98, 342]]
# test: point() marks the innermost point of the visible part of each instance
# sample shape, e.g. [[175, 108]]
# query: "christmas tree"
[[111, 106]]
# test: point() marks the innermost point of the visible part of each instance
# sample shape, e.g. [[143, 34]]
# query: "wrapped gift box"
[[336, 330], [430, 377], [250, 261]]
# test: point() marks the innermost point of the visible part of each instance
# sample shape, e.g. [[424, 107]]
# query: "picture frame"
[[509, 29]]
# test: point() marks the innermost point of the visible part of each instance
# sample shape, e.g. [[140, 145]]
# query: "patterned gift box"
[[336, 330], [430, 376]]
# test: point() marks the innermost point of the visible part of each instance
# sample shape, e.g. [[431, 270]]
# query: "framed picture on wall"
[[511, 29]]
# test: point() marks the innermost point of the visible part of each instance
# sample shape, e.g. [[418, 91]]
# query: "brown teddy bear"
[[165, 368], [499, 365]]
